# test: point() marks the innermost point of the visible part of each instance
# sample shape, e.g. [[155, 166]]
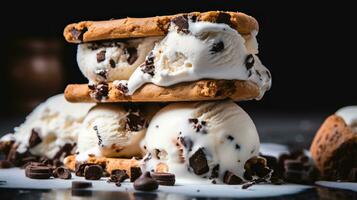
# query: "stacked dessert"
[[199, 64]]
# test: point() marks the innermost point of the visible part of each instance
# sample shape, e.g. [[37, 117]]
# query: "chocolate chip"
[[34, 138], [217, 47], [38, 172], [224, 18], [118, 175], [231, 179], [215, 171], [182, 23], [101, 56], [112, 63], [249, 61], [102, 73], [135, 172], [81, 184], [193, 120], [78, 34], [93, 172], [122, 87], [164, 178], [198, 162], [134, 121], [4, 164], [146, 183], [133, 55], [62, 173], [229, 137], [149, 66], [101, 91], [79, 171], [237, 146]]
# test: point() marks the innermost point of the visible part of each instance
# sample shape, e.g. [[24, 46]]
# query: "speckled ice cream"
[[204, 50], [56, 121], [113, 131], [113, 60], [222, 130]]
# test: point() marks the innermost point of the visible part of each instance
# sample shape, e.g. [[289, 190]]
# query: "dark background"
[[309, 48]]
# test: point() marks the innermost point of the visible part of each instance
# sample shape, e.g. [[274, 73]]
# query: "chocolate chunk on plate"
[[146, 183], [93, 172], [62, 173], [164, 178], [135, 172], [198, 162], [231, 179]]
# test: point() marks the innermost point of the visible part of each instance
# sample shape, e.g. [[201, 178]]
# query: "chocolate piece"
[[62, 173], [182, 23], [78, 34], [197, 125], [231, 179], [81, 184], [133, 55], [93, 172], [80, 168], [248, 175], [4, 164], [187, 143], [15, 157], [118, 175], [249, 61], [149, 67], [215, 172], [135, 172], [237, 146], [101, 56], [198, 162], [193, 120], [229, 137], [135, 121], [38, 172], [217, 47], [122, 87], [34, 138], [146, 183], [164, 178], [100, 92], [112, 63]]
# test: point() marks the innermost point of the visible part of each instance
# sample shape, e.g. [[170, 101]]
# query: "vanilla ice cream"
[[113, 130], [349, 114], [205, 51], [113, 60], [200, 140], [56, 122]]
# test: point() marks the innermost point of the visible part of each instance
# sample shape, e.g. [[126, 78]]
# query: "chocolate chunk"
[[118, 175], [215, 171], [133, 55], [237, 146], [146, 183], [198, 126], [231, 179], [100, 91], [224, 18], [38, 172], [229, 137], [34, 138], [182, 23], [112, 63], [81, 184], [102, 73], [135, 172], [79, 171], [198, 162], [187, 143], [135, 121], [122, 87], [78, 34], [248, 175], [4, 164], [62, 173], [164, 178], [93, 172], [101, 56], [149, 67], [217, 47], [249, 61]]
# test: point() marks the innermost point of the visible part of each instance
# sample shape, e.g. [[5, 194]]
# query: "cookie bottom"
[[202, 90]]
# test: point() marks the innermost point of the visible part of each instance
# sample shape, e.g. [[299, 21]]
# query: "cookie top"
[[88, 31]]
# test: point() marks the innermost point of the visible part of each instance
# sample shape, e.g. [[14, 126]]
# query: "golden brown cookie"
[[188, 91], [109, 163], [334, 149], [88, 31]]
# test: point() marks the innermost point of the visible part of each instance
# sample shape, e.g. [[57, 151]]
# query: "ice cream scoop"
[[50, 126], [113, 60], [194, 50], [195, 141], [349, 114], [113, 131]]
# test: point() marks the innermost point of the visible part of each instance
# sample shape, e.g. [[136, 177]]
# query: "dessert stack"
[[160, 99]]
